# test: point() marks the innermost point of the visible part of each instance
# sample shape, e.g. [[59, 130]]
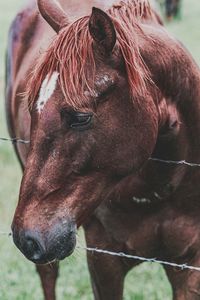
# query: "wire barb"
[[14, 140], [141, 258], [5, 233], [174, 162]]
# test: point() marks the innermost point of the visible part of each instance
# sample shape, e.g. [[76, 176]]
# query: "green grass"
[[18, 279]]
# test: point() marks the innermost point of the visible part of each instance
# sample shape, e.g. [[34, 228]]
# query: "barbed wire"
[[141, 258], [184, 266], [122, 254], [6, 233], [14, 140], [173, 162]]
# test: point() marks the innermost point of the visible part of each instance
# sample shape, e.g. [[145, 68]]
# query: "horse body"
[[125, 201], [172, 8]]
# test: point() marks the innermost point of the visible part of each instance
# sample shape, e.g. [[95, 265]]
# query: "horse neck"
[[78, 8], [178, 78]]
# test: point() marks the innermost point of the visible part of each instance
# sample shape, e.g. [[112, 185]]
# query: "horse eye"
[[78, 120]]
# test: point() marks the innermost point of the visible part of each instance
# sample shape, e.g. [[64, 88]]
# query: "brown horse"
[[172, 8], [109, 91]]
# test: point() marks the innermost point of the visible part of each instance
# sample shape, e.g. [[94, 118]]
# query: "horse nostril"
[[32, 249], [30, 243]]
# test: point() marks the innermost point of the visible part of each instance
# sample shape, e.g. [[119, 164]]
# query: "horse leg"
[[48, 275], [107, 277], [107, 272], [185, 283]]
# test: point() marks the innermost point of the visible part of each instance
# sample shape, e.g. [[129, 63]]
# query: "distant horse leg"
[[107, 272], [48, 275], [185, 283]]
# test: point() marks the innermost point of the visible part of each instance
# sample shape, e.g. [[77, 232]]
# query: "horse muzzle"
[[42, 246]]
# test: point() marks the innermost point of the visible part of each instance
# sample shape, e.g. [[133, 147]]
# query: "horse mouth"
[[51, 259], [46, 248]]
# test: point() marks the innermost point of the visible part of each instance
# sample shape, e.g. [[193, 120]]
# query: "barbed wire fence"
[[184, 266], [180, 162], [14, 140]]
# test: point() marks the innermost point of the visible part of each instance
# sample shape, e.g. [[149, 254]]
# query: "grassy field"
[[18, 280]]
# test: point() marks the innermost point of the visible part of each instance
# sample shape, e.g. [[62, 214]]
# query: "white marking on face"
[[46, 91], [141, 200], [157, 196]]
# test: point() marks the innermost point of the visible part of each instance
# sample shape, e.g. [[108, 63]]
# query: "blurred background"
[[18, 279]]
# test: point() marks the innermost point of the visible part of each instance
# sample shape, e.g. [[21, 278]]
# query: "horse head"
[[94, 121]]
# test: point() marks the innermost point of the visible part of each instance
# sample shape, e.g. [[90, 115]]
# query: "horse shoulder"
[[21, 35]]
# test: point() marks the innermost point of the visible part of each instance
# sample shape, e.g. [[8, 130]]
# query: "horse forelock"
[[71, 55]]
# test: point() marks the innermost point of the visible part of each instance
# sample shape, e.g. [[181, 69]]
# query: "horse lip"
[[53, 261], [50, 260], [63, 256], [43, 260]]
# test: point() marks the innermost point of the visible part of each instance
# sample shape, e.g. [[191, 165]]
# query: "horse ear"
[[102, 29], [53, 13]]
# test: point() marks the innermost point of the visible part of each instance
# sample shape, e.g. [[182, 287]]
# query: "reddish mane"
[[71, 53]]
